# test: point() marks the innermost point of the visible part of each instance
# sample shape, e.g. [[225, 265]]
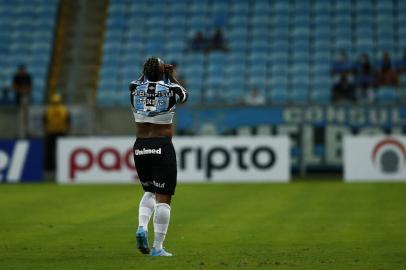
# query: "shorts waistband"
[[155, 139]]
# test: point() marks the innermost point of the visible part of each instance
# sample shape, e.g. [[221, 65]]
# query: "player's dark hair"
[[152, 69]]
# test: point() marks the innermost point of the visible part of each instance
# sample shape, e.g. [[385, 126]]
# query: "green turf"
[[263, 226]]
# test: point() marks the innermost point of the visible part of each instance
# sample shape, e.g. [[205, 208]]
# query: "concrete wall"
[[114, 121], [84, 121], [8, 122]]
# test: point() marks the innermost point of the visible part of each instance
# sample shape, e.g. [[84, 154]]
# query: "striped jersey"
[[155, 102]]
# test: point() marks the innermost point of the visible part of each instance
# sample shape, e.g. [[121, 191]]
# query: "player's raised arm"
[[178, 89]]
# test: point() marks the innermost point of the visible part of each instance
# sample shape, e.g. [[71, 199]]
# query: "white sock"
[[146, 208], [161, 223]]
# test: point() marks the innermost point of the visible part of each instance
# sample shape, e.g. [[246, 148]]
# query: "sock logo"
[[144, 151]]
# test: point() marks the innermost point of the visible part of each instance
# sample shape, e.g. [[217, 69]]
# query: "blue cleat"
[[158, 253], [142, 240]]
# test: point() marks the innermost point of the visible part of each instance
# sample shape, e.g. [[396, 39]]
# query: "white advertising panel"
[[233, 159], [375, 158], [96, 160], [225, 159]]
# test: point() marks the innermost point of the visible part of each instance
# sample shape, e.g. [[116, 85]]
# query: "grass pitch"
[[250, 226]]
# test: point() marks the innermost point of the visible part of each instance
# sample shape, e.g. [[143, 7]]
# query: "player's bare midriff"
[[149, 130]]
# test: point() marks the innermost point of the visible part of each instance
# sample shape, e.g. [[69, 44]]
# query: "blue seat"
[[175, 45], [298, 95], [280, 21], [233, 71], [258, 58], [107, 84], [117, 22], [278, 67], [301, 79], [112, 48], [257, 69], [302, 33], [154, 48], [322, 34], [238, 46], [321, 19], [321, 96], [344, 44], [259, 80], [260, 20], [384, 6], [37, 96], [108, 71], [303, 6], [321, 69], [387, 95], [215, 71], [323, 84], [261, 7], [260, 33], [260, 46], [193, 72], [278, 96], [281, 7], [177, 7], [279, 81], [343, 7], [299, 69], [322, 6], [155, 32]]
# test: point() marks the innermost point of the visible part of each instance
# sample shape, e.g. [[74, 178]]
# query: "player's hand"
[[169, 70]]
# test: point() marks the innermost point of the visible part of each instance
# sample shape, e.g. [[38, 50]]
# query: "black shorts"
[[155, 161]]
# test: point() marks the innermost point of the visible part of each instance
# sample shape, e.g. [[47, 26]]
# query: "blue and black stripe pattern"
[[155, 98]]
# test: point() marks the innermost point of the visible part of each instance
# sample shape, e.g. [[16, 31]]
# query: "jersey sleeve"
[[133, 86], [180, 92]]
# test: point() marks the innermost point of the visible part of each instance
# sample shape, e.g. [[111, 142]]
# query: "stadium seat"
[[26, 36], [387, 95], [298, 96], [278, 96], [283, 39], [321, 96]]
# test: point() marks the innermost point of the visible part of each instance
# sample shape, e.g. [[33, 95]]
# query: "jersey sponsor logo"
[[20, 160], [144, 151], [143, 93]]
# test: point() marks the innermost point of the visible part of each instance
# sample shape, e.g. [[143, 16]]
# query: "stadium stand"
[[285, 47], [26, 37]]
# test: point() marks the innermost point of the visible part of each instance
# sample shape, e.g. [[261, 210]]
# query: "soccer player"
[[153, 99]]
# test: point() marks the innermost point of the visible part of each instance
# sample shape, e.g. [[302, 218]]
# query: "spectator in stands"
[[343, 90], [342, 65], [218, 41], [22, 85], [364, 75], [56, 121], [199, 42], [254, 98], [387, 76]]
